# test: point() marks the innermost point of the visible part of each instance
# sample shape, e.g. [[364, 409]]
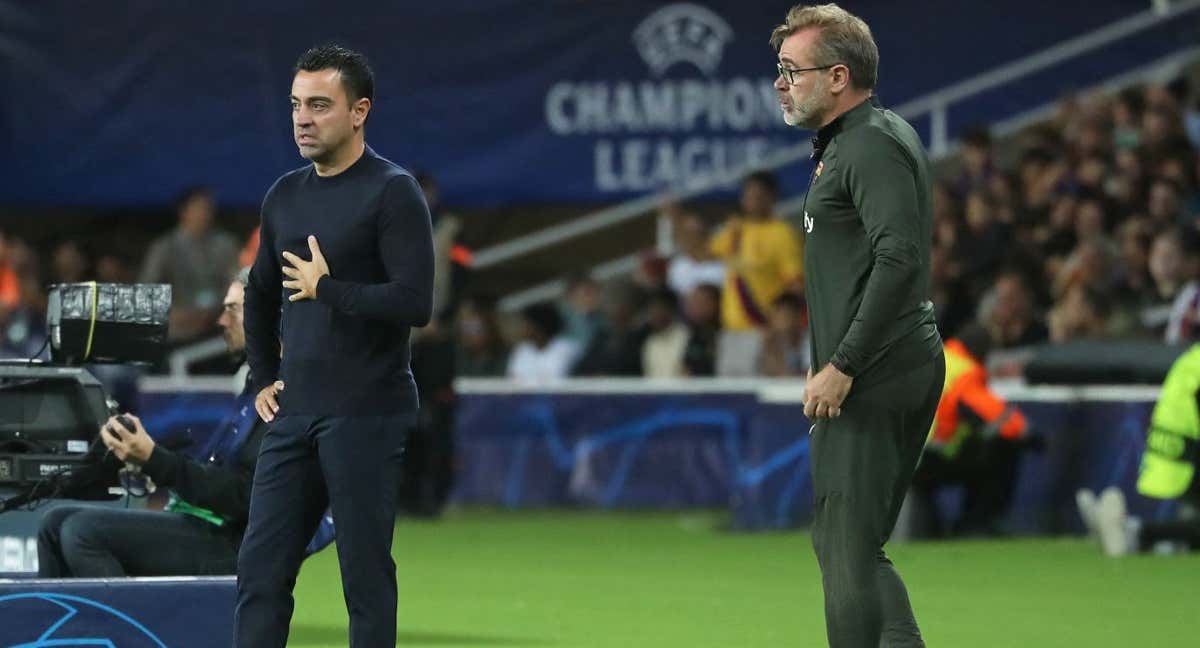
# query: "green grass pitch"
[[665, 580]]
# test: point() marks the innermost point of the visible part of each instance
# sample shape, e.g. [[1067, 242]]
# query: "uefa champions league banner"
[[506, 101], [737, 450], [129, 613]]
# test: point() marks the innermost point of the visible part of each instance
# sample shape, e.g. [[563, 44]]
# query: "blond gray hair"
[[843, 38]]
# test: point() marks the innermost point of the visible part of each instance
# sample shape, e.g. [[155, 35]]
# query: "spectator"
[[544, 354], [761, 253], [703, 314], [666, 339], [1056, 237], [1183, 324], [1090, 174], [69, 264], [1127, 115], [762, 260], [1178, 169], [1162, 133], [10, 286], [1090, 265], [693, 264], [1008, 314], [198, 261], [23, 325], [1039, 174], [111, 268], [1081, 314], [982, 242], [649, 275], [1165, 204], [481, 350], [616, 349], [1172, 265], [1133, 280], [584, 320], [786, 350], [450, 257], [1091, 222], [427, 474], [953, 305], [977, 162], [250, 249]]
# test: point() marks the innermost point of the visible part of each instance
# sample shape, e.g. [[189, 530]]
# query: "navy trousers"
[[307, 463]]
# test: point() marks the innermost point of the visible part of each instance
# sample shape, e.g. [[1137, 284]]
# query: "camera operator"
[[201, 528]]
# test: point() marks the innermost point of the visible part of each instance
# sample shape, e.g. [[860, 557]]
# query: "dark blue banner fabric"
[[674, 450], [506, 101], [131, 613], [733, 450]]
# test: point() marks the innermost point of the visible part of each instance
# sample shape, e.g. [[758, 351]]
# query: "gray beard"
[[792, 118], [808, 119]]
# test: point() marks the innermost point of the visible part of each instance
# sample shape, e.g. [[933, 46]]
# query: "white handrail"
[[202, 350], [934, 103], [779, 389]]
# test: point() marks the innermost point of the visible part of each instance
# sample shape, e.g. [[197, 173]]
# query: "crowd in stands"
[[1086, 226]]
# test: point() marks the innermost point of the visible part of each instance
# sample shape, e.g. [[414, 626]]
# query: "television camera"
[[51, 412]]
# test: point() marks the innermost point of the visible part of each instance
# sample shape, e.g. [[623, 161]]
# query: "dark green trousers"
[[862, 464]]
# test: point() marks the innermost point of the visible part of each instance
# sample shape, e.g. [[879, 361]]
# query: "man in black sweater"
[[199, 532], [327, 339]]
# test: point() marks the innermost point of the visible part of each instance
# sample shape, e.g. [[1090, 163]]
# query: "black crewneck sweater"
[[345, 353]]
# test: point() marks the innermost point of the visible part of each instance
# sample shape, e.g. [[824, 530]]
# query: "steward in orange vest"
[[975, 442]]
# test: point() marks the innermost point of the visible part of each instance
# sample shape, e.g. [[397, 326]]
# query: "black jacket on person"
[[221, 483]]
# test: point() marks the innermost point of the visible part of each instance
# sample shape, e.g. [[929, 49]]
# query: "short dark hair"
[[544, 317], [977, 136], [191, 193], [665, 297], [579, 278], [1171, 184], [791, 301], [357, 78], [764, 179], [976, 339]]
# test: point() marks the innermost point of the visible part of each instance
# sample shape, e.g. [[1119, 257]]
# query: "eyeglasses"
[[790, 73]]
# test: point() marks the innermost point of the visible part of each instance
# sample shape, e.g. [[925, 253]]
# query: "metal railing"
[[936, 105]]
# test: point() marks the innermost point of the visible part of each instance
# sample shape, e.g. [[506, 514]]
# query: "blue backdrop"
[[506, 100], [735, 451], [130, 613]]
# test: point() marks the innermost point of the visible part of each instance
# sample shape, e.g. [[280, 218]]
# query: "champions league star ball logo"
[[684, 121], [682, 33], [40, 620]]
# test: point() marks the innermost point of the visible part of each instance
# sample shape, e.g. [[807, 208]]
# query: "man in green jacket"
[[876, 351]]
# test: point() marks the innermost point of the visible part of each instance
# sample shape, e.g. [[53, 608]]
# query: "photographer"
[[199, 531]]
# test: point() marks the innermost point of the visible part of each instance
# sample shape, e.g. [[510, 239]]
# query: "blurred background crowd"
[[1083, 226]]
